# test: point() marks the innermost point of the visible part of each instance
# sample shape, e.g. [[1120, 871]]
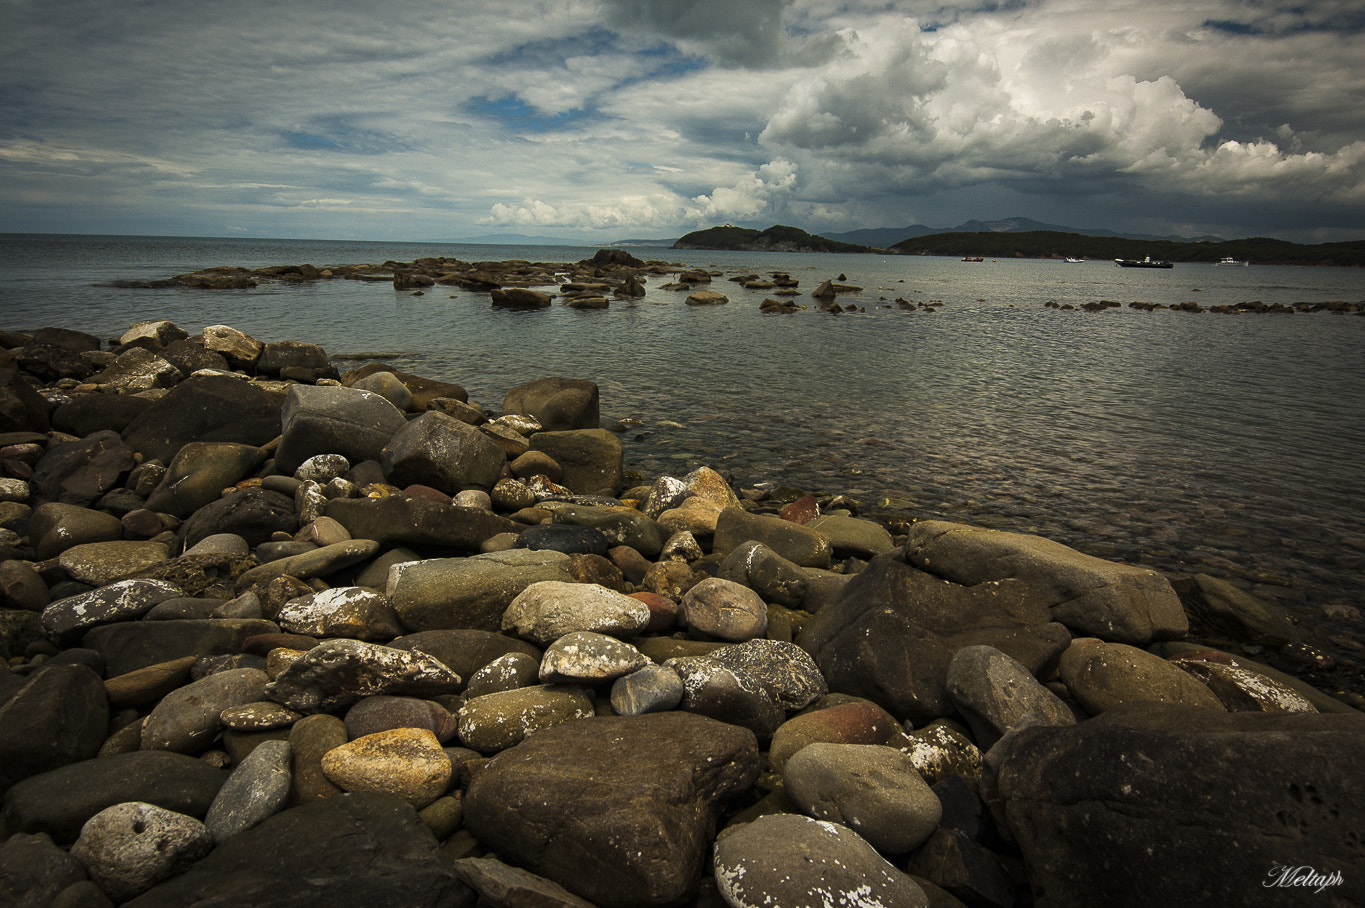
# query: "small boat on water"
[[973, 258], [1145, 262], [1229, 260]]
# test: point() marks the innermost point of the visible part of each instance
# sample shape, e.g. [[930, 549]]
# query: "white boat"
[[1229, 260]]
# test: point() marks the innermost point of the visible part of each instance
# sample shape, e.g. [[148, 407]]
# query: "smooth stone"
[[785, 670], [323, 468], [940, 751], [54, 527], [442, 452], [22, 587], [385, 713], [131, 645], [350, 611], [309, 739], [556, 403], [656, 783], [473, 592], [584, 657], [501, 884], [963, 868], [253, 514], [388, 386], [348, 851], [537, 463], [80, 472], [220, 544], [800, 545], [797, 862], [187, 719], [205, 408], [590, 459], [663, 612], [856, 722], [260, 716], [57, 716], [125, 600], [853, 536], [546, 611], [1117, 602], [1243, 690], [507, 672], [495, 722], [58, 802], [338, 672], [465, 650], [407, 763], [511, 495], [317, 563], [404, 520], [767, 573], [334, 420], [651, 689], [723, 609], [681, 546], [1101, 675], [571, 540], [1239, 613], [694, 515], [994, 693], [870, 788], [128, 848], [200, 471], [34, 871], [620, 526], [100, 563], [730, 695], [258, 788]]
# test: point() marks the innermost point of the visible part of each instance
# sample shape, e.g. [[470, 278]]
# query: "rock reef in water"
[[351, 638]]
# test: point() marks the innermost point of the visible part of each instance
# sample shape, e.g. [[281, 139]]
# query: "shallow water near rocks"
[[1187, 442]]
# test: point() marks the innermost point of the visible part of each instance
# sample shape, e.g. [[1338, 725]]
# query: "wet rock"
[[508, 672], [724, 609], [730, 695], [1164, 783], [322, 468], [893, 631], [56, 716], [765, 572], [310, 739], [33, 871], [520, 298], [583, 657], [137, 370], [54, 528], [388, 386], [465, 651], [253, 514], [1117, 602], [21, 587], [58, 802], [558, 404], [352, 611], [940, 751], [1239, 613], [187, 719], [86, 414], [546, 611], [22, 409], [145, 686], [338, 672], [403, 520], [855, 722], [296, 360], [1240, 689], [440, 451], [204, 408], [199, 473], [80, 472], [785, 670], [471, 593], [384, 713], [258, 788], [125, 600], [494, 722], [874, 790], [128, 848], [707, 298], [657, 783], [334, 420], [100, 563], [1101, 675], [309, 856], [798, 862], [590, 460], [964, 869], [259, 716], [994, 693], [620, 526], [651, 689], [571, 540], [130, 645], [797, 544], [407, 763], [239, 348]]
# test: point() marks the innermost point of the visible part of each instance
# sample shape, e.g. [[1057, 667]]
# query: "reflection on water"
[[1230, 444]]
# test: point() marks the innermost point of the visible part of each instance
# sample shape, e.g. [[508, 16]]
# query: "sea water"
[[1224, 444]]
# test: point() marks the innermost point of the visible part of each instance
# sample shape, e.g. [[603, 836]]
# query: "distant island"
[[1038, 244]]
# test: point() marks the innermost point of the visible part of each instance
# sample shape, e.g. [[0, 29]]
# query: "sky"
[[601, 120]]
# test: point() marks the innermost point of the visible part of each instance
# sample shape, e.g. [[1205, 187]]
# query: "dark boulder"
[[405, 520], [22, 409], [556, 403], [86, 414], [892, 633], [204, 408], [254, 514], [59, 716], [1158, 804], [618, 810], [79, 472]]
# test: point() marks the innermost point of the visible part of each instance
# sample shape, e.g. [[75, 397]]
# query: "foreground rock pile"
[[275, 635]]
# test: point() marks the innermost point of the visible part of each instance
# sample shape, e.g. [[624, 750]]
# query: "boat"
[[1229, 260], [973, 258], [1145, 262]]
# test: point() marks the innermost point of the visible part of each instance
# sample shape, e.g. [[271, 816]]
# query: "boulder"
[[794, 542], [407, 763], [198, 474], [707, 298], [53, 528], [80, 472], [797, 862], [520, 298], [130, 847], [1117, 602], [122, 601], [406, 520], [1239, 613], [558, 404], [339, 672], [33, 871], [136, 370], [1181, 805], [127, 646], [56, 716], [590, 460], [204, 408], [583, 657], [546, 611], [852, 722], [442, 452], [466, 651], [994, 693], [310, 855], [351, 611], [189, 718], [620, 526], [656, 784], [725, 610], [729, 695], [1101, 675], [765, 572], [384, 713], [501, 884], [98, 563], [294, 359], [253, 514], [491, 723], [86, 414], [894, 629], [22, 409], [334, 420], [237, 347], [471, 592]]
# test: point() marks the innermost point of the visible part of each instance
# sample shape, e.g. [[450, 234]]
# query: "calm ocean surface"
[[1232, 445]]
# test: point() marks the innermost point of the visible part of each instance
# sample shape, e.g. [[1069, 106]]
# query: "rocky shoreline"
[[277, 634]]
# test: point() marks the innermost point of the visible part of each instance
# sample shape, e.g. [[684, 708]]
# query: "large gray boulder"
[[796, 543], [334, 420], [401, 520], [204, 408], [618, 810], [557, 403], [1094, 597], [80, 472], [994, 693], [471, 593], [590, 460], [198, 474], [440, 451], [1159, 804], [894, 629]]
